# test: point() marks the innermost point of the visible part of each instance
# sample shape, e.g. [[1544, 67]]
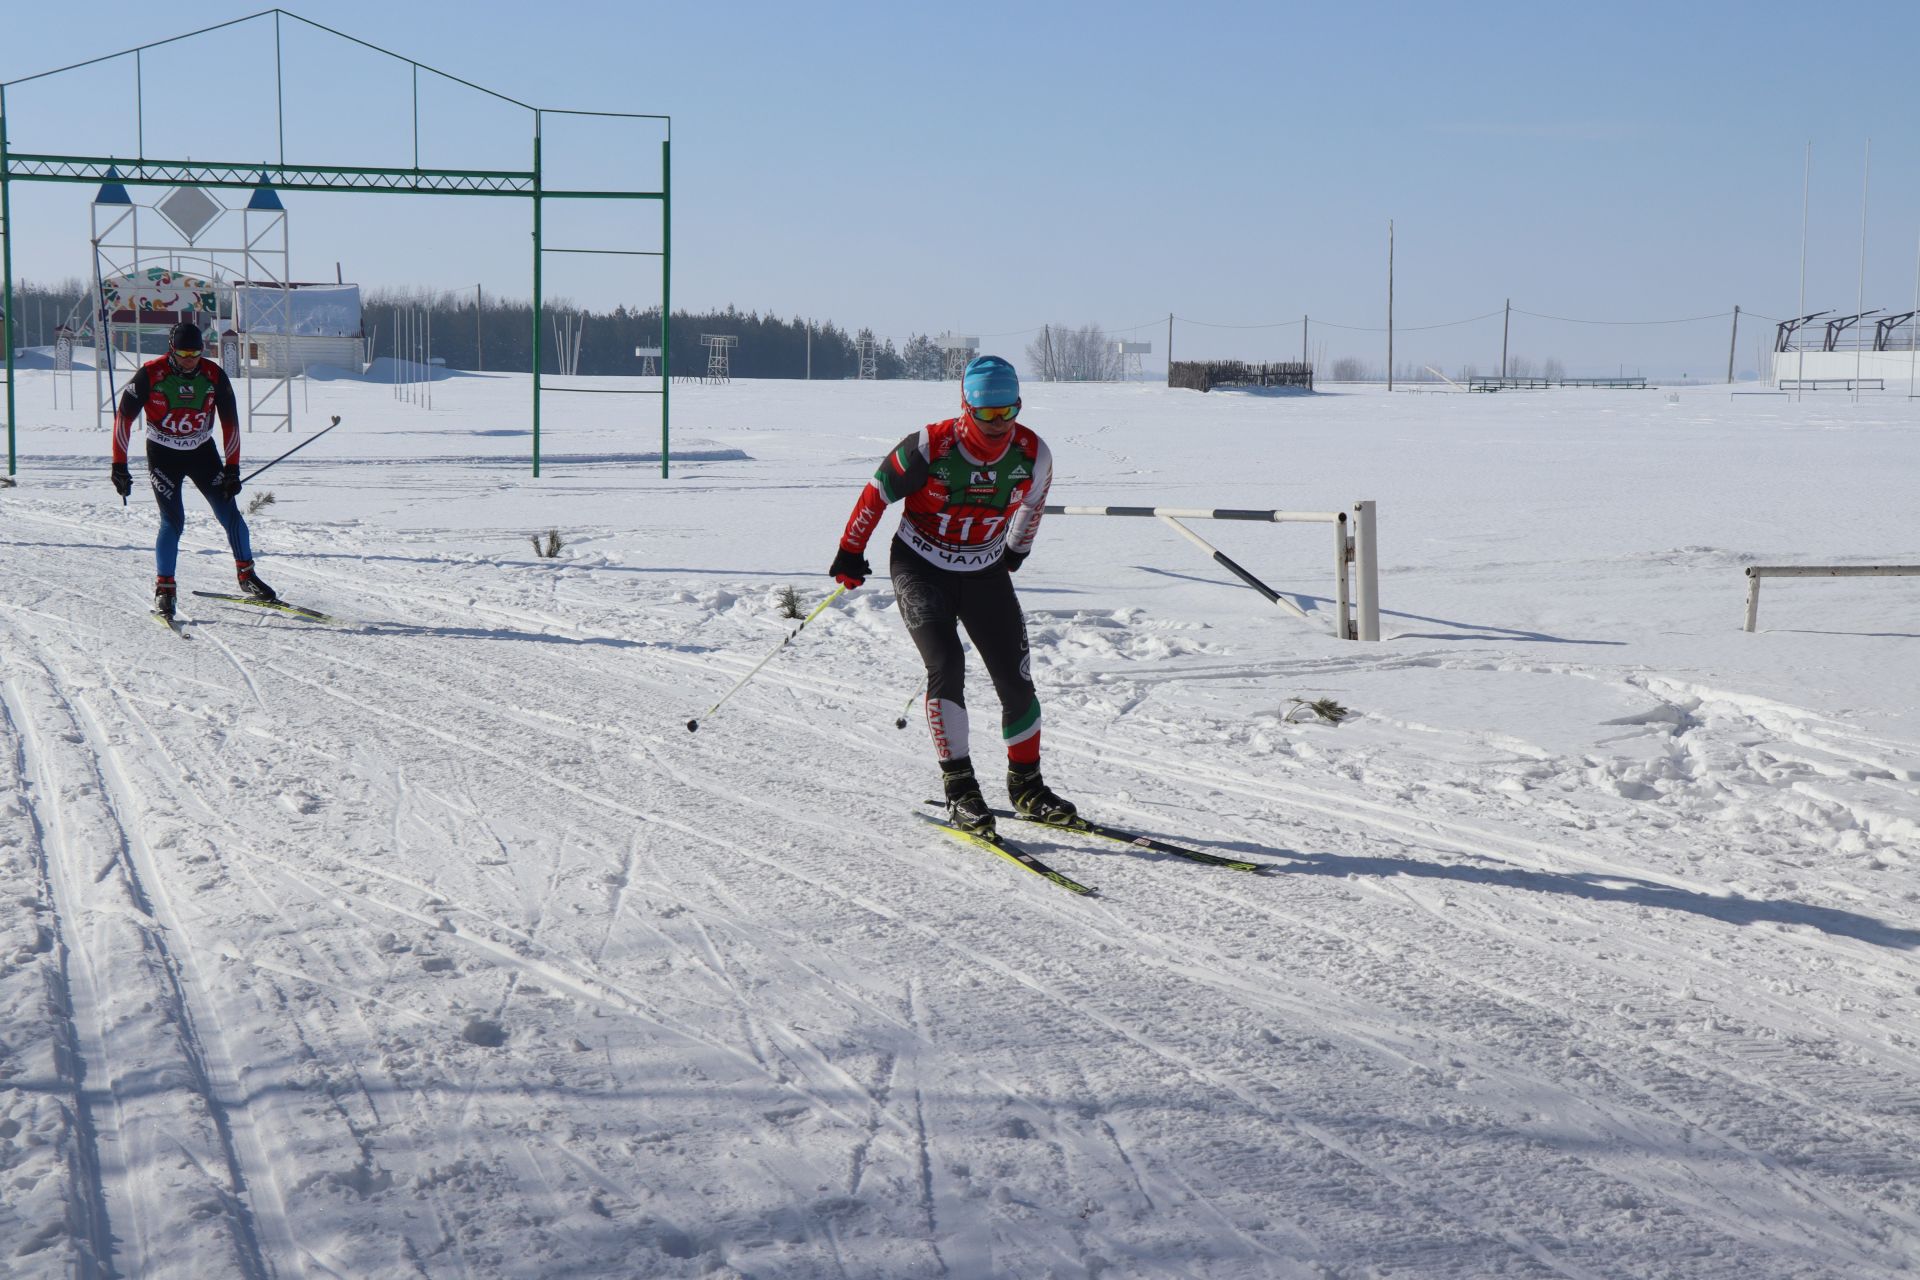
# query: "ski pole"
[[694, 723], [297, 448], [901, 723]]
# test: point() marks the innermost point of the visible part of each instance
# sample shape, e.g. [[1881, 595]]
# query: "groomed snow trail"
[[431, 942]]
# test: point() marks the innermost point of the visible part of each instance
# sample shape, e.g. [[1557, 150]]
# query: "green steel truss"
[[23, 167], [524, 184]]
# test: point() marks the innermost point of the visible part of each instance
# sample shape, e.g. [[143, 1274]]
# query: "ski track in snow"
[[428, 943]]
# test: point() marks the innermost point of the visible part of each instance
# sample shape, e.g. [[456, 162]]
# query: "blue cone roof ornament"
[[265, 197], [111, 192]]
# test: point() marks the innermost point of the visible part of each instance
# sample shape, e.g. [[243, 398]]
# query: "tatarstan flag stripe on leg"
[[1018, 728]]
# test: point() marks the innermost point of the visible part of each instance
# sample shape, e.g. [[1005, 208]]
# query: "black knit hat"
[[185, 336]]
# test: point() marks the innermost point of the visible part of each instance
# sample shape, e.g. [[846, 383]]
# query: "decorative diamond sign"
[[189, 210]]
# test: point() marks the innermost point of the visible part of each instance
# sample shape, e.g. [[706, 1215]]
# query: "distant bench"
[[1542, 384], [1843, 384]]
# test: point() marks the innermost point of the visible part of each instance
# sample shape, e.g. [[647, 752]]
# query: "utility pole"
[[1866, 176], [1169, 348], [1303, 339], [809, 351], [1389, 304], [479, 357], [1506, 326], [1806, 189], [1733, 341]]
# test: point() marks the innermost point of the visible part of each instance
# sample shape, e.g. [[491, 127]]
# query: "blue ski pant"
[[168, 470]]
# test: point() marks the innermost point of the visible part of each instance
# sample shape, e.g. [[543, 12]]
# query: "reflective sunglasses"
[[185, 355], [994, 413]]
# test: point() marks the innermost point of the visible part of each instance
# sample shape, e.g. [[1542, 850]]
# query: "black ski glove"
[[1014, 559], [122, 479], [850, 568], [230, 481]]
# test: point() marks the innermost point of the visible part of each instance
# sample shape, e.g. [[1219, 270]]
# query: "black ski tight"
[[934, 603]]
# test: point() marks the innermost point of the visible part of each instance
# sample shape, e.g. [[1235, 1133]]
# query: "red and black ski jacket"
[[180, 408]]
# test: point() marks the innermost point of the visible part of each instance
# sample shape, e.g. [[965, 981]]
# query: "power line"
[[1355, 328], [1718, 315], [1404, 328]]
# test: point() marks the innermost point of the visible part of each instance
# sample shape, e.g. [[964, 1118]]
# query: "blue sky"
[[991, 167]]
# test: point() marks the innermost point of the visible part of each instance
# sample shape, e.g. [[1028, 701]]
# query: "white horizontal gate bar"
[[1356, 552], [1755, 572]]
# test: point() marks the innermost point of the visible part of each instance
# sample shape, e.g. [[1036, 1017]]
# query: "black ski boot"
[[1033, 798], [163, 593], [966, 807], [250, 583]]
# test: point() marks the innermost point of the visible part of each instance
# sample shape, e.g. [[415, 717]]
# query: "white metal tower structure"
[[958, 351], [646, 356], [145, 279], [1129, 354], [869, 351], [719, 346]]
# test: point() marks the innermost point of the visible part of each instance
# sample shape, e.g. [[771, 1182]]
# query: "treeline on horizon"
[[496, 334]]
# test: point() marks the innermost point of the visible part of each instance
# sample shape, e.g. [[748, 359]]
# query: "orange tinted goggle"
[[994, 413], [185, 355]]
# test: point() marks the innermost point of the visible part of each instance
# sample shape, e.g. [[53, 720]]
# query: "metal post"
[[1733, 341], [666, 295], [1866, 177], [1343, 610], [1366, 571], [279, 92], [1303, 339], [1753, 599], [536, 294], [1169, 348], [1506, 327], [1806, 185], [1389, 305], [1913, 332], [479, 352], [6, 276]]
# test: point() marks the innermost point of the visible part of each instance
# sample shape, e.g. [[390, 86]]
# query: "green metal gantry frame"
[[524, 184]]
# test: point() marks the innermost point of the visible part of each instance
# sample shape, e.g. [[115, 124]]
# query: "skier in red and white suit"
[[974, 488], [180, 394]]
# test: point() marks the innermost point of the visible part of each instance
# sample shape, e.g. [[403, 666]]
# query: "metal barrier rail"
[[1755, 572], [1357, 554], [1844, 384]]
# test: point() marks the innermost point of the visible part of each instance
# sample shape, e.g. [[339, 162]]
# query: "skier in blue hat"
[[974, 488]]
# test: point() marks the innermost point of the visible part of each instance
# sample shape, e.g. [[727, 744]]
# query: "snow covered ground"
[[432, 943]]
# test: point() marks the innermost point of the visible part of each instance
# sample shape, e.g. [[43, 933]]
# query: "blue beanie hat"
[[990, 382]]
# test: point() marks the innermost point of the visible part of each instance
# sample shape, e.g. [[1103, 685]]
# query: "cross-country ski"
[[277, 606], [1080, 824], [1001, 847]]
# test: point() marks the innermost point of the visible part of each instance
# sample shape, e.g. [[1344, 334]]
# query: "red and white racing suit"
[[969, 500]]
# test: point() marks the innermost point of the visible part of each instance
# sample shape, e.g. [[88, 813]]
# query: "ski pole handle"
[[837, 592], [297, 448]]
